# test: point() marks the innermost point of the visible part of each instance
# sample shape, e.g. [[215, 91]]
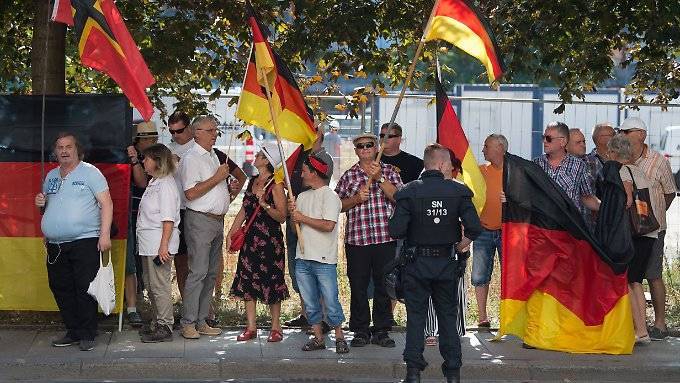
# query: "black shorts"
[[638, 265], [182, 250]]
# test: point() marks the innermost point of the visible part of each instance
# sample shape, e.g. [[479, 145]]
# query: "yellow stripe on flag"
[[543, 322], [460, 35], [473, 178], [23, 274]]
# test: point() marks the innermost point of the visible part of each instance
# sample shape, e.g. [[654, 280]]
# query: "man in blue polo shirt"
[[77, 225]]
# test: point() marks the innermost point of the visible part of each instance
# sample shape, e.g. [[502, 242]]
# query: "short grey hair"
[[500, 139], [599, 127], [620, 145], [201, 120]]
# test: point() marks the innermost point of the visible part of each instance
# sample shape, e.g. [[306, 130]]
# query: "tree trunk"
[[48, 62]]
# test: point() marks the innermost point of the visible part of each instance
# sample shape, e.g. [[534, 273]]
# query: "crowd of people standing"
[[181, 193]]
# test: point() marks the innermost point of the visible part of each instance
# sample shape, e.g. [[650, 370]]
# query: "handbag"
[[102, 287], [239, 236], [641, 214]]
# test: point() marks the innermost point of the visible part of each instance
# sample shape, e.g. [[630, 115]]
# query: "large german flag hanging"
[[559, 290], [105, 44], [103, 126], [294, 118], [450, 134], [459, 23]]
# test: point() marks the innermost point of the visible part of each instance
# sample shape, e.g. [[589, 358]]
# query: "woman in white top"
[[158, 238], [620, 150]]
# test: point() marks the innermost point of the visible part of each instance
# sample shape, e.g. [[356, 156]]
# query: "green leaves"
[[201, 44]]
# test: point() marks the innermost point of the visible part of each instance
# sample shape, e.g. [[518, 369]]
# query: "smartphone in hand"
[[158, 261]]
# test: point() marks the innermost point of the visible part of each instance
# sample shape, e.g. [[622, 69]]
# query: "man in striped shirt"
[[657, 169], [367, 193]]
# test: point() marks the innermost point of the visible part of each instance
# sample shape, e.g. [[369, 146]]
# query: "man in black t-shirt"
[[408, 165]]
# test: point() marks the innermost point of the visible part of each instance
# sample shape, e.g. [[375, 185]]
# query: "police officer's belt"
[[433, 251]]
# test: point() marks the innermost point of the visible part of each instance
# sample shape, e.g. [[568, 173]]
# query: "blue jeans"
[[291, 250], [483, 250], [319, 282]]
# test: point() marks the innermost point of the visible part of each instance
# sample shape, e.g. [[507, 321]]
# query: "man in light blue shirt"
[[77, 225]]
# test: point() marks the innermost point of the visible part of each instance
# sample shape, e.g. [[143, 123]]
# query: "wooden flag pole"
[[283, 158], [409, 76]]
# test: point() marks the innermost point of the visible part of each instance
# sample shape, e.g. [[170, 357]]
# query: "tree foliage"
[[202, 44]]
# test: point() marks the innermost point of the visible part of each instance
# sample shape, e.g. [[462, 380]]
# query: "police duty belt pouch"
[[102, 287], [641, 214]]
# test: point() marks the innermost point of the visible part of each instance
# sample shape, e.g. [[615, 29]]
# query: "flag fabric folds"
[[559, 289], [450, 134], [105, 44], [294, 118], [459, 23]]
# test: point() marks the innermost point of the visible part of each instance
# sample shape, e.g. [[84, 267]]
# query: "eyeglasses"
[[382, 135], [177, 131], [550, 139], [212, 131], [365, 145]]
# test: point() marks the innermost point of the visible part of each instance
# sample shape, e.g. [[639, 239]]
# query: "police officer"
[[428, 216]]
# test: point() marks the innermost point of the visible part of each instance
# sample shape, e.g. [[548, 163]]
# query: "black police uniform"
[[428, 215]]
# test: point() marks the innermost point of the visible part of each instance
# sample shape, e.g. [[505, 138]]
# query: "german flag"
[[461, 24], [450, 134], [105, 44], [559, 289], [23, 275], [294, 118]]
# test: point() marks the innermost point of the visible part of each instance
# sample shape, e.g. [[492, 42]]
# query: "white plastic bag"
[[102, 287]]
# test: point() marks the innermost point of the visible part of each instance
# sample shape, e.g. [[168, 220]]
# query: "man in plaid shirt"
[[569, 172], [367, 193]]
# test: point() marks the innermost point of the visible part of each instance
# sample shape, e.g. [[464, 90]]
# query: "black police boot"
[[453, 376], [412, 375]]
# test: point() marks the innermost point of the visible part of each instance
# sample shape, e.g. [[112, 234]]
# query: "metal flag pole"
[[409, 76], [283, 158]]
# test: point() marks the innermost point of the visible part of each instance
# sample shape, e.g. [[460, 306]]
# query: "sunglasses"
[[177, 131], [382, 135], [550, 139], [365, 145]]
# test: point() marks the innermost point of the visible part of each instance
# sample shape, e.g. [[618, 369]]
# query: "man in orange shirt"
[[486, 245]]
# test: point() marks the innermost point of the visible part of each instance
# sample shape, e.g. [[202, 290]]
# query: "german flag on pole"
[[295, 119], [105, 44], [461, 24], [559, 290], [450, 134]]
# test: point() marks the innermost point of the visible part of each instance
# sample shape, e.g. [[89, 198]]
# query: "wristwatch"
[[382, 179], [267, 207]]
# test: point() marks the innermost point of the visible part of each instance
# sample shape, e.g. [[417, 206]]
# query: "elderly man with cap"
[[367, 194], [146, 135], [657, 169], [207, 194], [317, 211]]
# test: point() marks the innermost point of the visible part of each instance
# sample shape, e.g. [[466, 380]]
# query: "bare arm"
[[628, 187], [389, 189], [241, 178], [163, 250], [104, 199], [279, 210], [591, 202], [357, 199]]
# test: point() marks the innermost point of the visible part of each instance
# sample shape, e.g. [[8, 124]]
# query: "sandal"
[[247, 335], [341, 346], [314, 344], [484, 325], [275, 336]]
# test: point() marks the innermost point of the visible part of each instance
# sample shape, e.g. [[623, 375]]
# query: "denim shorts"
[[483, 250], [319, 281]]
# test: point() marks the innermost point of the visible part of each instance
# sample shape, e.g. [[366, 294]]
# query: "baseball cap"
[[271, 151], [365, 135], [146, 129], [633, 123]]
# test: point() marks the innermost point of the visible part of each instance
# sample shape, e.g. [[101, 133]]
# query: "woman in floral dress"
[[261, 261]]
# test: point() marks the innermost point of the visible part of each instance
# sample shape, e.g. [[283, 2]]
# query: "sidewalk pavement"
[[28, 355]]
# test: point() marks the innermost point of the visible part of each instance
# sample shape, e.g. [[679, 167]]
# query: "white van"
[[670, 148]]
